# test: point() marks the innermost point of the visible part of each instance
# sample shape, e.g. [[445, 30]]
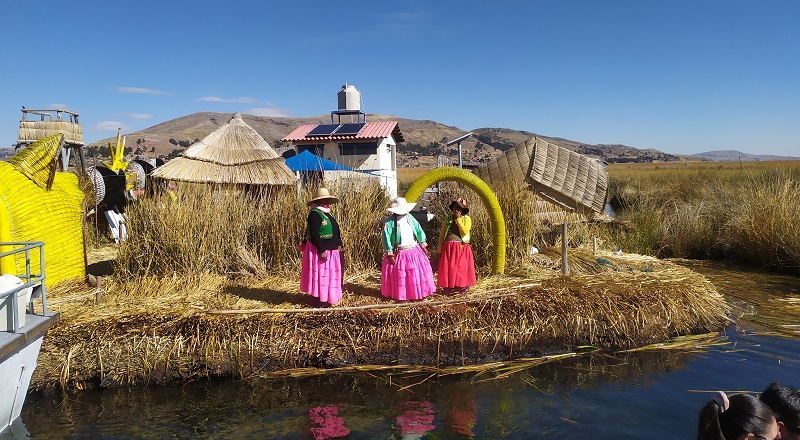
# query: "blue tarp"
[[308, 161]]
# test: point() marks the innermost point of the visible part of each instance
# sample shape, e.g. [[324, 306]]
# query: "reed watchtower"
[[38, 124]]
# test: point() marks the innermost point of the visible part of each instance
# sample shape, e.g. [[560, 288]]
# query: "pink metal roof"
[[372, 130]]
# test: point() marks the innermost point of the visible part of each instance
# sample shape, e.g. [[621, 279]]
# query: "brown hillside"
[[424, 139]]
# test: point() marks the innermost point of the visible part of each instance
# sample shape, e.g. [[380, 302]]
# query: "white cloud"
[[239, 100], [140, 116], [268, 111], [140, 90], [110, 126]]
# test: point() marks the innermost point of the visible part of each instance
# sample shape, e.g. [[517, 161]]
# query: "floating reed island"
[[208, 287]]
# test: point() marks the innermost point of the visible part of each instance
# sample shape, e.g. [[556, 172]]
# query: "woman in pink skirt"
[[406, 271], [321, 275]]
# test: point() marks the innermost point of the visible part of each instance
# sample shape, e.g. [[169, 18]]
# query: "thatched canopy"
[[564, 177], [232, 154], [38, 161], [31, 131]]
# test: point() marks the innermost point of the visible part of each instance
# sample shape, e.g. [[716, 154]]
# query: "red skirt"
[[456, 265]]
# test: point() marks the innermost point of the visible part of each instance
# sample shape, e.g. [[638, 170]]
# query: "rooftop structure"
[[39, 124], [368, 147]]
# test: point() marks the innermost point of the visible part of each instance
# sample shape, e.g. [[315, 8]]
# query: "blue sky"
[[682, 77]]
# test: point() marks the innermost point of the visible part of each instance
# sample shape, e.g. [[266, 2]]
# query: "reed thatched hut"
[[234, 154]]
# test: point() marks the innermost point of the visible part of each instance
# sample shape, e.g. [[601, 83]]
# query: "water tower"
[[349, 98], [349, 105]]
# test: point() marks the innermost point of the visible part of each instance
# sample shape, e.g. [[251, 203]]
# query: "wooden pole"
[[83, 161], [564, 250]]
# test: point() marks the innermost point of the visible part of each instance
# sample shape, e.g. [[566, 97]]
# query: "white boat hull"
[[15, 377]]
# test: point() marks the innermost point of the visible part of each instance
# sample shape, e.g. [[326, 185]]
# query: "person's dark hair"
[[785, 403], [745, 414]]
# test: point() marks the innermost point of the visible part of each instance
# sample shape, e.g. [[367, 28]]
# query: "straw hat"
[[400, 206], [323, 194], [460, 203]]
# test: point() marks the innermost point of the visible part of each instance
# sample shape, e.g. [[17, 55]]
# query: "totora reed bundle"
[[157, 329]]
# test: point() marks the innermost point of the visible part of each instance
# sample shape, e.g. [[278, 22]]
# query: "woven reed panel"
[[31, 131], [37, 160], [510, 167], [567, 177]]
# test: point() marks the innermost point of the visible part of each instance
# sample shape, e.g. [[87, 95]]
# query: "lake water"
[[652, 394]]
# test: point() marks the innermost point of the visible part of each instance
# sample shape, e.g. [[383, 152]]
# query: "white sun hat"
[[400, 206]]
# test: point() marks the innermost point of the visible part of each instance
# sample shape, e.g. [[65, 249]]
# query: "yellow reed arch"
[[487, 196]]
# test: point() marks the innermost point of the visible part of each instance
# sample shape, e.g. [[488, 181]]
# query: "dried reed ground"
[[132, 336], [153, 321]]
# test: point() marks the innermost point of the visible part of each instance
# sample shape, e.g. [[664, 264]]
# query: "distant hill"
[[734, 155], [424, 139]]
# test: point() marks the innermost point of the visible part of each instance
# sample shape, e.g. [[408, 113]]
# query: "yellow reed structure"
[[31, 212], [117, 153], [487, 196]]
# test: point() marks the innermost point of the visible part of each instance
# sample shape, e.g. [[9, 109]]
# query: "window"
[[315, 149], [359, 149]]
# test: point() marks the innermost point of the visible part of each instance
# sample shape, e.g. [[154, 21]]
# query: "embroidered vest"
[[326, 228]]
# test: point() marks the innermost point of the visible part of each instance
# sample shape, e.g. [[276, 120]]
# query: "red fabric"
[[456, 265]]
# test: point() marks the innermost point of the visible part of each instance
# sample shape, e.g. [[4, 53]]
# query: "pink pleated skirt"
[[409, 278], [321, 279]]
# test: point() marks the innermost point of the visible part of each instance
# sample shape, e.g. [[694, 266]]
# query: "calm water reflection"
[[602, 395]]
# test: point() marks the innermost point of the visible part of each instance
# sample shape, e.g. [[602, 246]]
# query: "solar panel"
[[323, 130], [350, 128]]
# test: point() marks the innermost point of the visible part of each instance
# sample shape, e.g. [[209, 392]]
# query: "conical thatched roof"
[[232, 154]]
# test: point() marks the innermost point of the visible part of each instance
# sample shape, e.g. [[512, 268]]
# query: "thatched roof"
[[560, 175], [233, 154]]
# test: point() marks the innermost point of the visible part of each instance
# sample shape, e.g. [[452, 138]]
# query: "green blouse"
[[391, 233]]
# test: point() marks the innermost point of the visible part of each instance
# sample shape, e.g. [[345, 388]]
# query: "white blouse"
[[406, 231]]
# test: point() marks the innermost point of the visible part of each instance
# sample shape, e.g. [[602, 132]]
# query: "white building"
[[368, 147]]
